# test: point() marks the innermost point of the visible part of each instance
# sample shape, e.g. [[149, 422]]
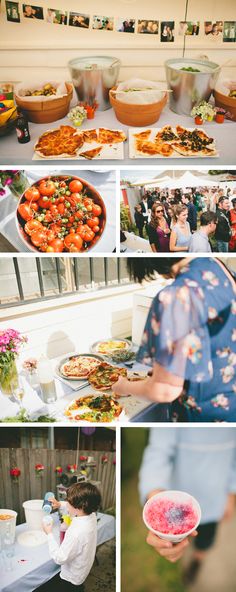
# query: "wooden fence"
[[30, 486]]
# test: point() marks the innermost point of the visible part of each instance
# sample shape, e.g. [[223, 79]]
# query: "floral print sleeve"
[[176, 333], [191, 331]]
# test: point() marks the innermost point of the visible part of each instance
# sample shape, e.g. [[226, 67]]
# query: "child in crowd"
[[77, 552]]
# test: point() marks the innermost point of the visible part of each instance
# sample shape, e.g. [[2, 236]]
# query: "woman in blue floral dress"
[[189, 340]]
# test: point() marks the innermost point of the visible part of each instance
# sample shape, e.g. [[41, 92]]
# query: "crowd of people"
[[196, 221]]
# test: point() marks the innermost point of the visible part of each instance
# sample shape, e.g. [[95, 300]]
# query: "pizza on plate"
[[64, 141], [79, 366], [90, 154], [107, 136], [166, 134], [105, 375], [194, 142], [143, 135], [102, 408]]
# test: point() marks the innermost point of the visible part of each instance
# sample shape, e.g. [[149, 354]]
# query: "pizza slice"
[[106, 136], [102, 408], [90, 136], [147, 147], [90, 154], [166, 134], [105, 375], [143, 135]]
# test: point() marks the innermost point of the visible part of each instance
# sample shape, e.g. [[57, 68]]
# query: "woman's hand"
[[170, 551], [121, 387]]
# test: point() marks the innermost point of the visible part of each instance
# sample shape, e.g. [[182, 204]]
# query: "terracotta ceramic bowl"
[[227, 103], [91, 192], [46, 111], [137, 115]]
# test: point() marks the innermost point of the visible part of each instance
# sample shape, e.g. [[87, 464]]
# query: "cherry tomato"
[[49, 249], [62, 184], [88, 201], [54, 210], [79, 215], [34, 206], [25, 211], [96, 228], [71, 218], [74, 199], [48, 217], [57, 244], [38, 237], [86, 233], [61, 208], [96, 209], [44, 203], [94, 221], [55, 228], [73, 240], [47, 187], [75, 186], [33, 225], [50, 235], [32, 194]]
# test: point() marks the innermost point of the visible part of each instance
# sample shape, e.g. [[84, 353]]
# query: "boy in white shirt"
[[77, 551]]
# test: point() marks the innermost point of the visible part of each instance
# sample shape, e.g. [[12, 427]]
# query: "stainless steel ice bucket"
[[93, 77], [189, 88]]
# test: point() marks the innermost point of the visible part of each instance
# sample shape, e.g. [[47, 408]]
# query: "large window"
[[24, 280]]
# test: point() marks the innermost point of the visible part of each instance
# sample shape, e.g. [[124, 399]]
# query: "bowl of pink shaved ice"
[[172, 515]]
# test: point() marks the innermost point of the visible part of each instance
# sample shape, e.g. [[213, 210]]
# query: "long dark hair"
[[141, 268]]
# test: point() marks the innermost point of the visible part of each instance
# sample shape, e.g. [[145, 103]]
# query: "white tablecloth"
[[35, 406], [104, 182], [13, 153], [38, 566]]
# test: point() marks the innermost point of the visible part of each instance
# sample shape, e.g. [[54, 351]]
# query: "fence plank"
[[30, 486]]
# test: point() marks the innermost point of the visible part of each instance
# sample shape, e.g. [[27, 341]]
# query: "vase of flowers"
[[203, 112], [72, 468], [16, 181], [10, 343]]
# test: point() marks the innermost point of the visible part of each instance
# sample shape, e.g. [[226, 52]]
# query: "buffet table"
[[104, 182], [31, 567], [66, 392], [13, 153]]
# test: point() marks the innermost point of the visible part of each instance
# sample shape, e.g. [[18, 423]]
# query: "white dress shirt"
[[77, 551]]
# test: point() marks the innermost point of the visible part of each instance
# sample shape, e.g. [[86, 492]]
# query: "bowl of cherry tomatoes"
[[61, 214]]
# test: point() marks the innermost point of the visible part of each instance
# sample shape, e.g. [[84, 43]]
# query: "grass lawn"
[[142, 569]]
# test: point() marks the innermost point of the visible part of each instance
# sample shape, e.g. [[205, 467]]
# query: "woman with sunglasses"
[[189, 340], [158, 229], [180, 234]]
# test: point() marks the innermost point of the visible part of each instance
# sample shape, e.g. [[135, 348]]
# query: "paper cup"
[[172, 515]]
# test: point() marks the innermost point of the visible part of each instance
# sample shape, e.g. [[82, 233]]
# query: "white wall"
[[72, 323], [35, 49]]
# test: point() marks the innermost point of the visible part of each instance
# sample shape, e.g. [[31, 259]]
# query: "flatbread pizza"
[[90, 154], [78, 366], [106, 136], [102, 408], [105, 375]]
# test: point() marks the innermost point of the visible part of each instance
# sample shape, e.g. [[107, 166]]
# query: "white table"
[[13, 153], [65, 394], [104, 182], [38, 566]]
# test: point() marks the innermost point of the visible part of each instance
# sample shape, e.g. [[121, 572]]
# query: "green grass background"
[[143, 570]]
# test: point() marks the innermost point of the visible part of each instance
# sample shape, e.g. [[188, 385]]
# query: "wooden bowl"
[[227, 103], [46, 111], [137, 115]]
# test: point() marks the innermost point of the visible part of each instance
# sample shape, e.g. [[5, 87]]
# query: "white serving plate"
[[134, 154]]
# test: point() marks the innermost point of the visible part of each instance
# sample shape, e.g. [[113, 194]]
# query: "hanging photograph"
[[229, 32], [33, 12], [105, 23], [56, 17], [151, 27], [189, 28], [79, 20], [12, 11], [167, 31], [213, 29], [125, 25]]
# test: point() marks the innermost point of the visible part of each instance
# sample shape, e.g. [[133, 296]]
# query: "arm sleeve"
[[68, 550], [158, 460], [152, 235], [176, 333], [232, 477]]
